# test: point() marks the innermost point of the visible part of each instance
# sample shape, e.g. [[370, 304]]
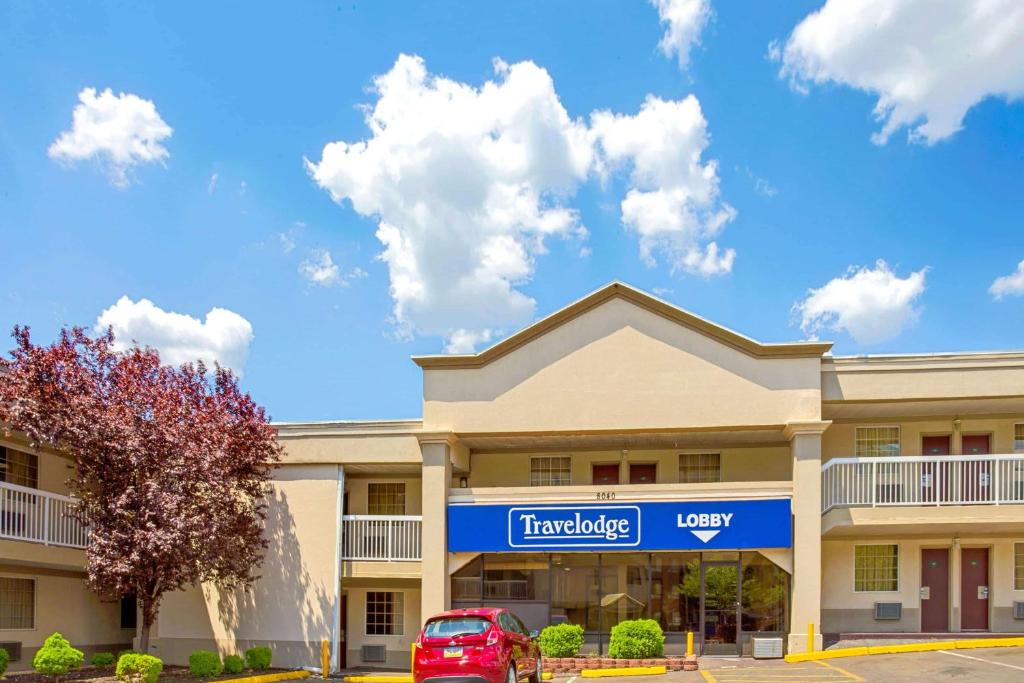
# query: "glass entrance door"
[[720, 608]]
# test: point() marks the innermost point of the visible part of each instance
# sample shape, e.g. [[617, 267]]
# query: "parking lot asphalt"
[[988, 665]]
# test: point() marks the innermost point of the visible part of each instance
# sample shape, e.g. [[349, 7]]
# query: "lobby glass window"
[[19, 467], [876, 568], [675, 591], [516, 576], [386, 498], [699, 468], [384, 613], [1018, 438], [765, 595], [1018, 566], [625, 587], [17, 603], [550, 470], [575, 590], [873, 442]]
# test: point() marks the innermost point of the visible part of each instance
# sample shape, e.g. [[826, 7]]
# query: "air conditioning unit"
[[888, 611], [1018, 610], [13, 649], [766, 648], [374, 654]]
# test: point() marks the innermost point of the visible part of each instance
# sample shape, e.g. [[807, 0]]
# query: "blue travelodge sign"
[[731, 524]]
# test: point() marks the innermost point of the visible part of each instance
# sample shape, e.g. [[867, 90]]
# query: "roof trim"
[[620, 290]]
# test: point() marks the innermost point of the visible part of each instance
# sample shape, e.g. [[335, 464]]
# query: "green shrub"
[[203, 664], [5, 659], [133, 667], [122, 653], [561, 640], [233, 664], [258, 657], [636, 639], [56, 657], [102, 659]]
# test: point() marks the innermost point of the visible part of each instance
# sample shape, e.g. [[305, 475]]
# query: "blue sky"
[[777, 157]]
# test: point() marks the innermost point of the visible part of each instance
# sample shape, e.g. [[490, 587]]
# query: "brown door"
[[342, 649], [935, 590], [643, 474], [934, 475], [606, 475], [974, 589], [976, 477]]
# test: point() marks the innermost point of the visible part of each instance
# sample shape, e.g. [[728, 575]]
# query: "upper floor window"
[[872, 442], [19, 467], [550, 470], [697, 468], [17, 603], [385, 498], [1018, 438]]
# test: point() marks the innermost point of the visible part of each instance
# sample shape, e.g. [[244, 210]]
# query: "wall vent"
[[374, 653], [888, 611], [1018, 610], [13, 649], [767, 648]]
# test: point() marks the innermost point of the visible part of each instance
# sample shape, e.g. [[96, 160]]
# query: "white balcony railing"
[[40, 517], [395, 538], [935, 480]]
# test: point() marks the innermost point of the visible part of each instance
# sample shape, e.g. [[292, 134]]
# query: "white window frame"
[[1017, 449], [548, 457], [405, 495], [366, 615], [899, 567], [899, 437], [685, 454], [1014, 566], [35, 603]]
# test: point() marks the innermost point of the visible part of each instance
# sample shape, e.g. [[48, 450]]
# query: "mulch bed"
[[92, 674]]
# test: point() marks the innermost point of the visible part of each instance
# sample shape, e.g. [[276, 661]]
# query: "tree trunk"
[[148, 607]]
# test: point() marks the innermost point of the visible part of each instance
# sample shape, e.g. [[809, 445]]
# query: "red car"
[[486, 645]]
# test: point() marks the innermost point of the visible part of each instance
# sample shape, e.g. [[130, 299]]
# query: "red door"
[[606, 475], [643, 474], [974, 589], [934, 475], [935, 590], [976, 477]]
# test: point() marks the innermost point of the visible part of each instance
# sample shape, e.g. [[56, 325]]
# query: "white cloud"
[[871, 305], [683, 20], [1009, 285], [467, 184], [212, 185], [320, 269], [223, 337], [673, 203], [928, 61], [119, 131]]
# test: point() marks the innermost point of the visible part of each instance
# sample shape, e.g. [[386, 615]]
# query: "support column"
[[337, 628], [437, 477], [805, 444]]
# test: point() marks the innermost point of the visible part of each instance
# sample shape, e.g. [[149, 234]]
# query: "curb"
[[272, 678], [623, 671], [370, 678], [970, 644]]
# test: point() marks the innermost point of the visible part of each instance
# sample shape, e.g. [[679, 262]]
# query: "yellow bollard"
[[689, 643], [412, 658], [325, 657], [810, 637]]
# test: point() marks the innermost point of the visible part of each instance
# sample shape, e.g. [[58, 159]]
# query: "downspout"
[[336, 622]]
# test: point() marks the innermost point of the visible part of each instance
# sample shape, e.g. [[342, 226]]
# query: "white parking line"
[[979, 659]]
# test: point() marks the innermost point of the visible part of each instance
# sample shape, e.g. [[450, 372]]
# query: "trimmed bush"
[[204, 664], [133, 667], [561, 640], [102, 659], [233, 664], [56, 657], [5, 659], [122, 653], [258, 657], [636, 639]]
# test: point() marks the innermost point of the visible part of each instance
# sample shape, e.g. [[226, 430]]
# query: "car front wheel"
[[510, 676]]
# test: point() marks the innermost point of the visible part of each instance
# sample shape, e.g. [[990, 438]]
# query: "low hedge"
[[233, 664], [133, 667], [258, 657], [56, 657], [204, 664], [5, 659], [636, 639], [102, 659], [561, 640]]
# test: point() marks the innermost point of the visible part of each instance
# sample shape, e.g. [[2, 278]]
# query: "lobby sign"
[[728, 524]]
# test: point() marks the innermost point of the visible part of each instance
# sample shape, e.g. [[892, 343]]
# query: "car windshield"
[[456, 626]]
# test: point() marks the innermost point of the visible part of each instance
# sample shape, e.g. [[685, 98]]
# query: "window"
[[696, 468], [384, 613], [872, 442], [129, 611], [19, 467], [550, 470], [386, 498], [1018, 438], [17, 603], [876, 568], [1018, 566]]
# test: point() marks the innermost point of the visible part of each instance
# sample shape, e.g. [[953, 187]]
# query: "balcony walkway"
[[36, 516]]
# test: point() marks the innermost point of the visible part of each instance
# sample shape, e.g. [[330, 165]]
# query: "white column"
[[437, 477], [336, 625]]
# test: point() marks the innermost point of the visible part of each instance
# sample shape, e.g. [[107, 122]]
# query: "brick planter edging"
[[573, 665]]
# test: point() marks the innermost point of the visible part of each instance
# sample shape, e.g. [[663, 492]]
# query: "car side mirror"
[[535, 634]]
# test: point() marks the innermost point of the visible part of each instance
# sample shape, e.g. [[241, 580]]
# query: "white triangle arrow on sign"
[[705, 536]]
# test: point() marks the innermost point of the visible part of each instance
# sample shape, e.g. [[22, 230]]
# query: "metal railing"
[[36, 516], [912, 480], [382, 537]]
